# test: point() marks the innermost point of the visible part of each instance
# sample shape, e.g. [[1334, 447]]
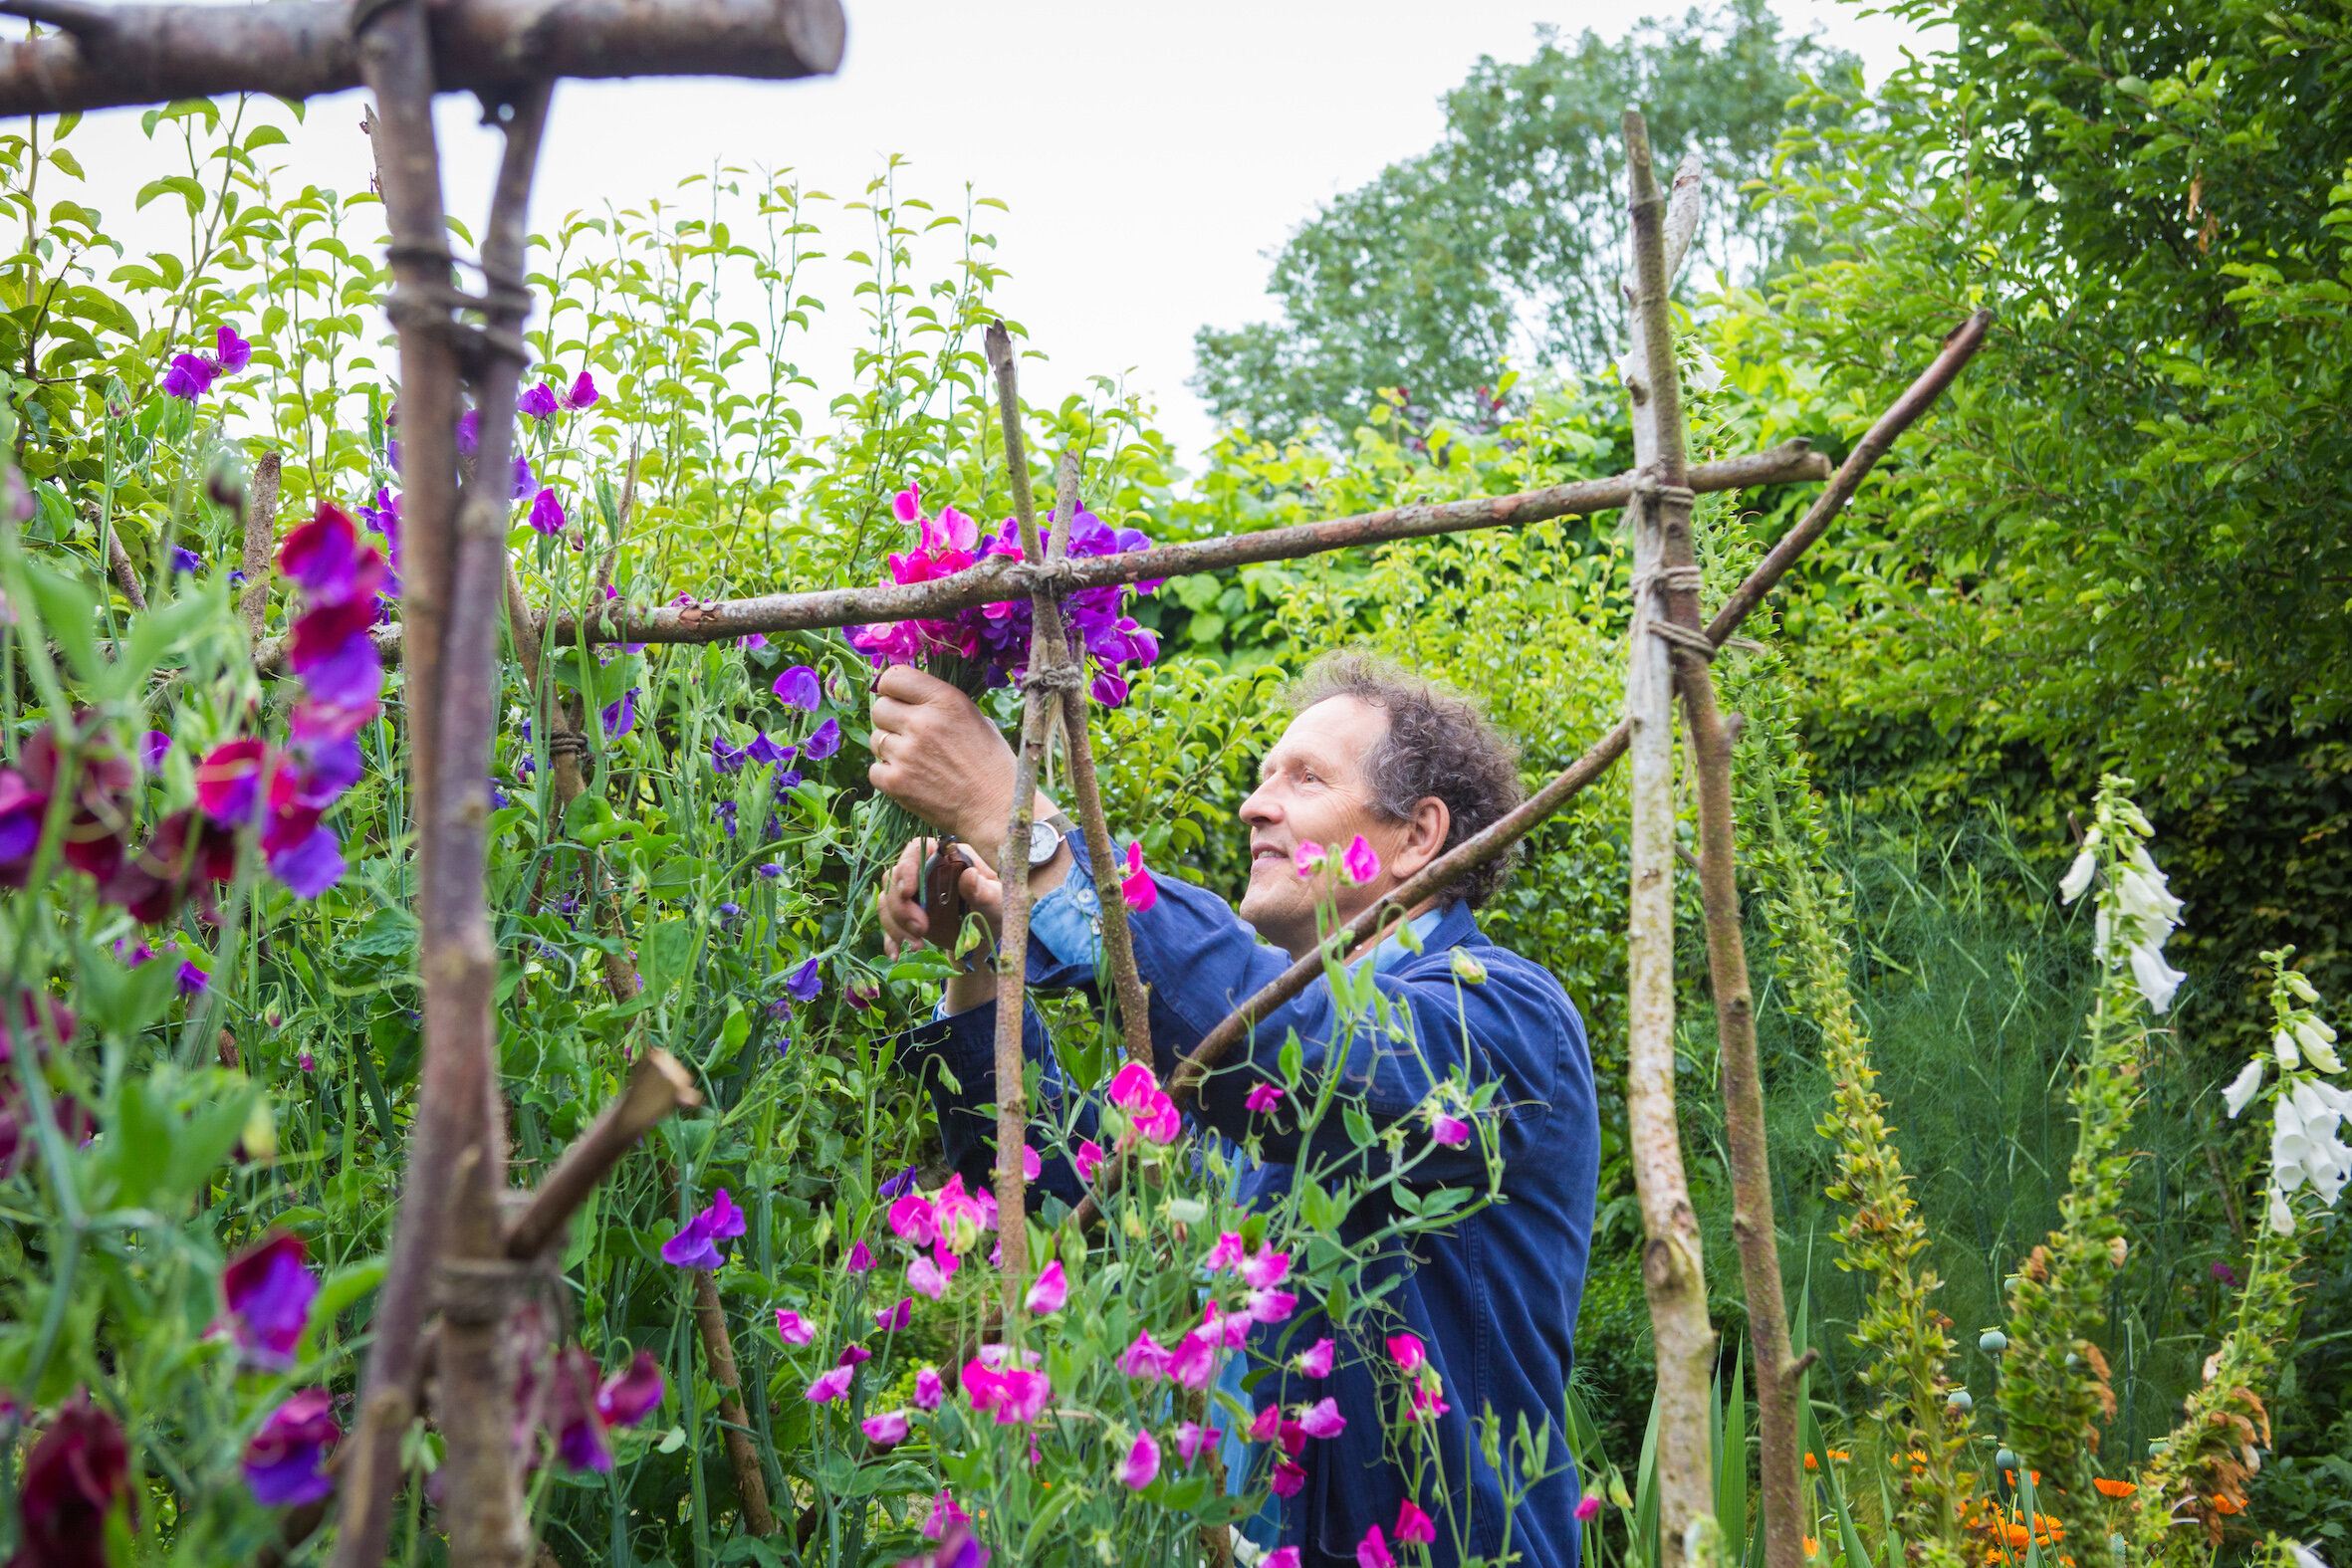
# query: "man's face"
[[1312, 789]]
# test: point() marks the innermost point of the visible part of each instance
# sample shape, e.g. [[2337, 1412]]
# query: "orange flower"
[[2011, 1478], [1812, 1462], [2113, 1489], [1839, 1453], [2227, 1505], [1812, 1547]]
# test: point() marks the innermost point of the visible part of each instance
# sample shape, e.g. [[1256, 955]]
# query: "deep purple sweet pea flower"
[[630, 1395], [231, 352], [186, 560], [726, 758], [806, 981], [730, 913], [898, 1185], [546, 513], [282, 1462], [763, 750], [796, 688], [695, 1244], [76, 1476], [193, 982], [312, 866], [539, 404], [727, 810], [620, 717], [153, 747], [770, 870], [189, 378], [824, 742], [785, 781], [268, 1289], [572, 1415]]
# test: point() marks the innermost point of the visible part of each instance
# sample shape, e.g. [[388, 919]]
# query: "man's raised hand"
[[936, 753]]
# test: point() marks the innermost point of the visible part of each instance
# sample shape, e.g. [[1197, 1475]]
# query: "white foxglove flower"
[[2283, 1046], [2078, 876], [2243, 1087], [2306, 1556], [2156, 978], [2327, 1162], [2301, 987], [1628, 369], [1704, 374], [2319, 1044], [2282, 1218]]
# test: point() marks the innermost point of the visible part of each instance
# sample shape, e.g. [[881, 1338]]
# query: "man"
[[1493, 1298]]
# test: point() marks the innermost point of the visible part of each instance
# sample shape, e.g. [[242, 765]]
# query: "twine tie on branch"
[[1055, 678], [1675, 580]]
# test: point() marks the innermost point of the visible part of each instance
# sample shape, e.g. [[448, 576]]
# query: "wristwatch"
[[1046, 836]]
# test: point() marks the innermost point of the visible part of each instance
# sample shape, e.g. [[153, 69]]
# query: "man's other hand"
[[936, 753], [905, 924]]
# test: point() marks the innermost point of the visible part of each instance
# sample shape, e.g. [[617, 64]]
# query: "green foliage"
[[1504, 243]]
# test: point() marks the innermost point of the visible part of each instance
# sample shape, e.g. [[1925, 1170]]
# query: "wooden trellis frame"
[[457, 1249]]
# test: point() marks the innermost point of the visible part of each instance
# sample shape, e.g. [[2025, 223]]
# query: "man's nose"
[[1259, 810]]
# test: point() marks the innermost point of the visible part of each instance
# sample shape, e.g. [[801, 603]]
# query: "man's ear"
[[1425, 837]]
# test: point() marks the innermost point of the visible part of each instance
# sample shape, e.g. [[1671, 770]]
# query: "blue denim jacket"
[[1494, 1298]]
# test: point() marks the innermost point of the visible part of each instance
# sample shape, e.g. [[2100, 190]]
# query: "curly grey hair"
[[1438, 743]]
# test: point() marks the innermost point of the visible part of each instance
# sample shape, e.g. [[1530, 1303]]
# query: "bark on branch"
[[657, 1085], [152, 54]]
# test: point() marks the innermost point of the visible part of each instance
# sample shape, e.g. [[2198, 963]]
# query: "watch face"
[[1044, 839]]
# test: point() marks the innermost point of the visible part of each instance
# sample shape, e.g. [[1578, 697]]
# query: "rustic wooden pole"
[[1672, 1270], [105, 54], [395, 57], [260, 542]]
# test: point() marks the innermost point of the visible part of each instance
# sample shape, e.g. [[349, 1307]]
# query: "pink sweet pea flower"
[[925, 1278], [1266, 1271], [1261, 1097], [961, 1215], [1428, 1404], [1142, 1464], [830, 1386], [1315, 1362], [913, 1219], [887, 1430], [1050, 1292], [1192, 1438], [1286, 1557], [1323, 1419], [1447, 1129], [1132, 1085], [1587, 1506], [793, 1328], [929, 1391], [1407, 1351], [1272, 1306], [944, 1515], [1146, 1358], [1268, 1423], [1091, 1158], [1231, 1329], [1307, 858], [1359, 861], [1137, 887], [1024, 1397], [1193, 1360], [1288, 1478], [890, 1319], [1160, 1121], [907, 505], [1412, 1525], [1030, 1166], [1228, 1251], [1372, 1551]]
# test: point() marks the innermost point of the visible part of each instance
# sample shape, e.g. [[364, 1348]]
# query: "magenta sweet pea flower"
[[1030, 1166], [793, 1328], [1141, 1466], [1137, 887], [796, 688], [189, 378], [1407, 1351], [913, 1219], [539, 404], [1282, 1557], [945, 1515], [1359, 861], [1287, 1479], [1323, 1419], [284, 1463], [695, 1244], [892, 1318], [631, 1394], [1146, 1358], [1264, 1270], [1372, 1551], [1412, 1525], [1228, 1251], [1263, 1097], [228, 781], [1025, 1394], [1307, 858], [1089, 1160], [929, 1390], [1160, 1121], [830, 1386], [1447, 1129], [547, 512], [822, 742], [582, 392], [1132, 1086], [860, 1259], [887, 1430], [329, 559], [231, 353], [1586, 1508], [1315, 1362], [153, 747], [1194, 1360], [1052, 1289], [268, 1289], [1192, 1438]]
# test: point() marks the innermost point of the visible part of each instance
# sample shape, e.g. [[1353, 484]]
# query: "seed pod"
[[1993, 1342]]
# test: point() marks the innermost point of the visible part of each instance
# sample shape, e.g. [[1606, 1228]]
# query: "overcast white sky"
[[1153, 157]]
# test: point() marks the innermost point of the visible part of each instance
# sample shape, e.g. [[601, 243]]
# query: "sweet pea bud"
[[1467, 968], [2301, 987], [1993, 1342]]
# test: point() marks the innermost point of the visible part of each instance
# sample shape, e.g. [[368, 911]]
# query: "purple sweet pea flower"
[[620, 717], [727, 811], [190, 377], [763, 750], [193, 982], [726, 758], [752, 641], [546, 513], [898, 1185], [539, 402], [312, 866], [785, 780], [630, 1395], [826, 741], [469, 432], [729, 914], [185, 560], [153, 747], [520, 482], [283, 1461], [582, 393], [770, 870], [231, 352], [806, 981], [694, 1247], [268, 1289], [796, 688]]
